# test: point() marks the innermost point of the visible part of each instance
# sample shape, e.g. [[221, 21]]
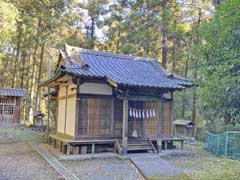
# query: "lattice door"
[[95, 116]]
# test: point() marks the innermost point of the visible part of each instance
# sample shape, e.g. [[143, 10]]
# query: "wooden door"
[[151, 123], [167, 119], [95, 116], [7, 106]]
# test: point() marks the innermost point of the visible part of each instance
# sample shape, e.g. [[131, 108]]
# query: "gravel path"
[[20, 162], [104, 169]]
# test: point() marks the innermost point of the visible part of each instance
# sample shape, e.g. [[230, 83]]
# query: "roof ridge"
[[110, 54]]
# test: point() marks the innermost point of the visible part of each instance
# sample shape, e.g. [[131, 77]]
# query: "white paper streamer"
[[139, 114], [147, 115], [130, 112], [154, 114], [151, 115], [143, 114]]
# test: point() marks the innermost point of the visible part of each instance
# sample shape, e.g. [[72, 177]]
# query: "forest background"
[[197, 39]]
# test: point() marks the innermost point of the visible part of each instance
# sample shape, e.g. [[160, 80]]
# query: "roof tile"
[[12, 92], [123, 69]]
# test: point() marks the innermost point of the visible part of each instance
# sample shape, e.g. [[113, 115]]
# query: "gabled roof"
[[121, 69], [12, 92]]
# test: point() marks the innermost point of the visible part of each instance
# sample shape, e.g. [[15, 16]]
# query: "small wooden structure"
[[38, 121], [108, 100], [183, 127], [10, 105]]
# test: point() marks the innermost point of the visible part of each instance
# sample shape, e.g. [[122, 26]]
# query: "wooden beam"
[[139, 98], [69, 96], [125, 126], [111, 82]]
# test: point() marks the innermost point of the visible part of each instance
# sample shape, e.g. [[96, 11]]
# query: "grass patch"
[[175, 177], [199, 164], [217, 168]]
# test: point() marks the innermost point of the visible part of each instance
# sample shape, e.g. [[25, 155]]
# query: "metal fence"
[[226, 144]]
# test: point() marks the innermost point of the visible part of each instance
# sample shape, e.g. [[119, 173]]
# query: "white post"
[[226, 145], [218, 144]]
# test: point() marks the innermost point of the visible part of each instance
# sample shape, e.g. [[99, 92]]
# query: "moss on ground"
[[199, 164], [175, 177], [21, 134], [217, 168]]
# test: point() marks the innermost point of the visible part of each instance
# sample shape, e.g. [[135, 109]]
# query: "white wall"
[[69, 113], [96, 88], [61, 116]]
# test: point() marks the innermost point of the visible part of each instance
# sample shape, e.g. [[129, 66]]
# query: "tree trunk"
[[184, 92], [174, 54], [23, 68], [26, 107], [37, 104], [118, 40], [5, 66], [92, 32], [194, 105], [195, 75], [19, 29], [164, 33], [33, 75]]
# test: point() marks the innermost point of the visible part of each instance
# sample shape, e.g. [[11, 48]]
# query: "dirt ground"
[[104, 169], [19, 161]]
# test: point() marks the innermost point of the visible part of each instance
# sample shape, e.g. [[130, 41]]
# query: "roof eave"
[[48, 83]]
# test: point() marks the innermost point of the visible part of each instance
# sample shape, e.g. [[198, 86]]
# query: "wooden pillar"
[[160, 126], [77, 110], [125, 126], [93, 148], [66, 102], [172, 113], [159, 145], [112, 117], [68, 149]]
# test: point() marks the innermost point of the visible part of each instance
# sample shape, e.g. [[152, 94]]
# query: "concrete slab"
[[61, 157], [152, 164]]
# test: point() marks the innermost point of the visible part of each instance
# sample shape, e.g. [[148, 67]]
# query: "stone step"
[[139, 148], [138, 144]]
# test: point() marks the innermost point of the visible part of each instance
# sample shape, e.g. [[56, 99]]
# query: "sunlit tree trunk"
[[33, 75], [195, 76], [37, 103]]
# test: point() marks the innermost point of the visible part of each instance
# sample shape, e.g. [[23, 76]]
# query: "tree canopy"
[[196, 39]]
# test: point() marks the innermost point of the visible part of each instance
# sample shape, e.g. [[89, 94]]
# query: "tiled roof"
[[122, 69], [12, 92]]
